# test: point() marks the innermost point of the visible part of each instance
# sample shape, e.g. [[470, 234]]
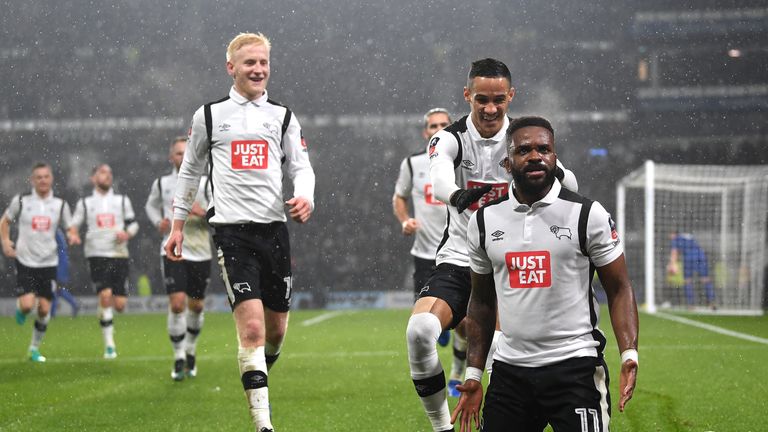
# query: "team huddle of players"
[[492, 259]]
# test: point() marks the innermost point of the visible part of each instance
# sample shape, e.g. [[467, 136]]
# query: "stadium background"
[[623, 81]]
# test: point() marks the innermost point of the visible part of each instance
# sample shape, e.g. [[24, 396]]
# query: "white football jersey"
[[104, 216], [460, 158], [247, 151], [413, 182], [37, 219], [541, 258], [159, 206]]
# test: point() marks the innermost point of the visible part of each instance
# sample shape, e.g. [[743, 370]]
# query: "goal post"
[[695, 236]]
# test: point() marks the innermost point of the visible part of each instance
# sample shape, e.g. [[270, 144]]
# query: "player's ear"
[[507, 165], [467, 94]]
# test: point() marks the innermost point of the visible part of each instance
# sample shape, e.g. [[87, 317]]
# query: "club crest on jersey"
[[530, 269], [561, 232], [249, 154], [433, 147], [241, 287], [41, 223], [272, 128]]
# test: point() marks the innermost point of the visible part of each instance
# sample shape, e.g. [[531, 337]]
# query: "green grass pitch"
[[345, 373]]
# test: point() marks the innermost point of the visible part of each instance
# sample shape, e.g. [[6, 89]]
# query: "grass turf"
[[347, 372]]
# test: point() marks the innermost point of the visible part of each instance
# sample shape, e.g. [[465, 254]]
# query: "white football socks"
[[253, 374], [177, 328], [426, 370]]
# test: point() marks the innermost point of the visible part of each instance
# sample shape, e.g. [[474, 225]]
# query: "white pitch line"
[[141, 359], [321, 318], [712, 328]]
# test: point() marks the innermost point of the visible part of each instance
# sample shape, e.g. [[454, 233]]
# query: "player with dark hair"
[[247, 138], [427, 226], [37, 215], [467, 170], [110, 223], [548, 365], [186, 280]]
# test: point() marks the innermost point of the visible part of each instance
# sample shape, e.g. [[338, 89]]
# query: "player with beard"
[[110, 223], [467, 170], [533, 255]]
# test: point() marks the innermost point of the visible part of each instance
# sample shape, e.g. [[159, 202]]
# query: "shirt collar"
[[241, 100], [111, 191], [44, 198], [476, 137], [548, 199]]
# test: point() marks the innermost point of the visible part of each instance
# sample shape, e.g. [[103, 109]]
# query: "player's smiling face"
[[489, 99], [533, 160], [249, 68]]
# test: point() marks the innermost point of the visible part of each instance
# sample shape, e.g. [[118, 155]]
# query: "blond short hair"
[[244, 39]]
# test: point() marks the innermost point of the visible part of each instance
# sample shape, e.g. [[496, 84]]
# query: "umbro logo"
[[561, 232], [497, 235], [241, 287], [224, 127], [468, 164]]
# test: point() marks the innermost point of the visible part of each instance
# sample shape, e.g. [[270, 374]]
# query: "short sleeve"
[[478, 258], [404, 180], [603, 242]]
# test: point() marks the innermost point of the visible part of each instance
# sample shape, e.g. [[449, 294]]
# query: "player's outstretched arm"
[[623, 309], [175, 240], [479, 325]]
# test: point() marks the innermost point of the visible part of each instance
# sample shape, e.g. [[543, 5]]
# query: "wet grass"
[[346, 373]]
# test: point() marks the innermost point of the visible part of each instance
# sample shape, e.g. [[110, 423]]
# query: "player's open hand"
[[627, 382], [410, 226], [122, 237], [173, 245], [299, 209], [468, 408]]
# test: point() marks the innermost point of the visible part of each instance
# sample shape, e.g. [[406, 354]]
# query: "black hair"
[[41, 164], [488, 68], [522, 122]]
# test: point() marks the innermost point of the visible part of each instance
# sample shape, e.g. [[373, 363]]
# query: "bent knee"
[[422, 331]]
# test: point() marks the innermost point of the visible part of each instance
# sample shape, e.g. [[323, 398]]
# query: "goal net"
[[695, 236]]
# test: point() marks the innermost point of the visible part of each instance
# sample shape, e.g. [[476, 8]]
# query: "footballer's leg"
[[276, 324], [177, 325], [430, 316], [459, 360], [249, 320], [198, 277], [24, 304], [41, 325], [105, 314], [195, 320]]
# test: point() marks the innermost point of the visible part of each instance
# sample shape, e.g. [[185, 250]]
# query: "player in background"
[[685, 248], [109, 224], [427, 226], [62, 277], [247, 138], [37, 215], [467, 170], [186, 280], [533, 255]]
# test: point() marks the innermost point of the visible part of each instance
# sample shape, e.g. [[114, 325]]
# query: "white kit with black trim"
[[543, 259], [105, 214], [37, 219], [246, 143]]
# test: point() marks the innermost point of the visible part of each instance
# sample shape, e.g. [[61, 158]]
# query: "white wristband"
[[473, 373], [630, 354]]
